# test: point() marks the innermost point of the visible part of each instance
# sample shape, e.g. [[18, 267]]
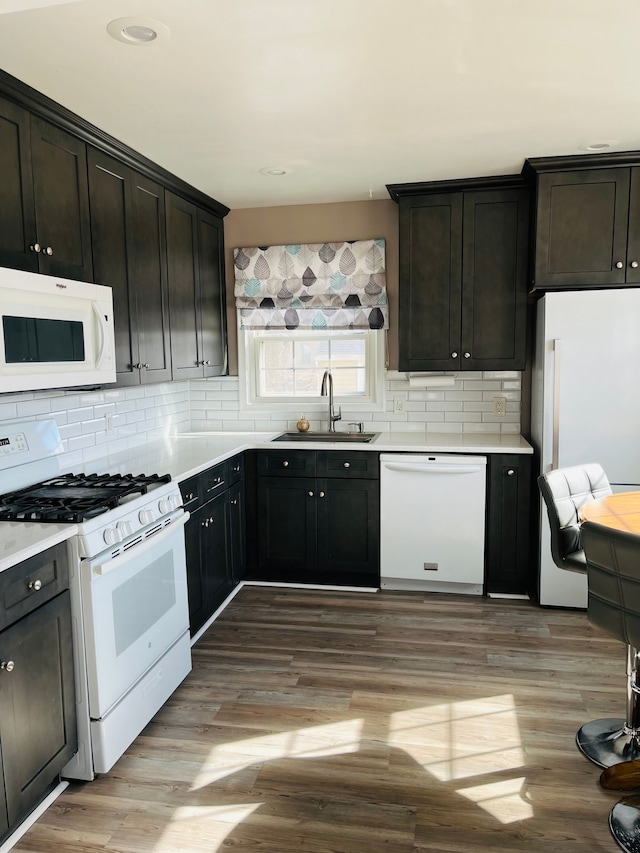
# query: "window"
[[280, 368]]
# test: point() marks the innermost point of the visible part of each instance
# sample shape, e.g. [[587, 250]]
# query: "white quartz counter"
[[21, 540], [185, 455]]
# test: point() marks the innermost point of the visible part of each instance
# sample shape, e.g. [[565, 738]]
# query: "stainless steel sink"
[[329, 437]]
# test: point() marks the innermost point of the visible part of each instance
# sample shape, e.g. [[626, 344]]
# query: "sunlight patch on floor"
[[313, 742], [504, 800]]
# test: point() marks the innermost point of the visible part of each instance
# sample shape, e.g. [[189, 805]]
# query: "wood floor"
[[347, 722]]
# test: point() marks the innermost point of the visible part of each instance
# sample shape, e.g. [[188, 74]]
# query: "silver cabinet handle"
[[37, 248], [510, 472], [467, 355], [48, 251], [634, 264], [7, 665], [285, 464], [454, 355], [619, 265], [35, 585], [346, 465]]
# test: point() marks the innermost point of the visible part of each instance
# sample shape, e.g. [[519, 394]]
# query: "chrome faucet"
[[327, 379]]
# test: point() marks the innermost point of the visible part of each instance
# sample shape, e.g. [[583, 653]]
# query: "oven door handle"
[[103, 564]]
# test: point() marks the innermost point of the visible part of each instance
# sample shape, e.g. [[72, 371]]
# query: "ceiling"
[[345, 96]]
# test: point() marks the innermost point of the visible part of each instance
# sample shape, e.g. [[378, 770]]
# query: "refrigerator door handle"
[[555, 455]]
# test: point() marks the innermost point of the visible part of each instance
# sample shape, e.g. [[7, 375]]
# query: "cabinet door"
[[494, 279], [110, 197], [182, 253], [17, 219], [286, 527], [508, 525], [581, 228], [61, 193], [430, 282], [214, 551], [633, 243], [148, 273], [195, 580], [237, 546], [212, 295], [349, 531], [37, 704]]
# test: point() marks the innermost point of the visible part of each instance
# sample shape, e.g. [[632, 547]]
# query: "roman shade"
[[314, 286]]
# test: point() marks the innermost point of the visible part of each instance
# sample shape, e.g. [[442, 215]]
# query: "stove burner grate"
[[73, 498]]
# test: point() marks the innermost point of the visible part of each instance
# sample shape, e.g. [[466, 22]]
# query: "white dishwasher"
[[432, 512]]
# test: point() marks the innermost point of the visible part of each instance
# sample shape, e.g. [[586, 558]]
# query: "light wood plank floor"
[[347, 722]]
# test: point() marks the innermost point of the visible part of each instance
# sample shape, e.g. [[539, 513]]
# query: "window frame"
[[248, 367]]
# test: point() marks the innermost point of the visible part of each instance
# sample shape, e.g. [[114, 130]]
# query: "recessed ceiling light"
[[275, 172], [595, 147], [138, 31]]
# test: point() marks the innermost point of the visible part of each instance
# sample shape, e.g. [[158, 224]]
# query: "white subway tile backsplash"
[[142, 413]]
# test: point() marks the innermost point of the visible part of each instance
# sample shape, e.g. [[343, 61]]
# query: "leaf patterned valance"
[[315, 286]]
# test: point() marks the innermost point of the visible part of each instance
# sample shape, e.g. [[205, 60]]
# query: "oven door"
[[134, 609]]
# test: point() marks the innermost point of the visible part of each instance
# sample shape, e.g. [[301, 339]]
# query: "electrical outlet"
[[398, 405], [108, 423], [500, 406]]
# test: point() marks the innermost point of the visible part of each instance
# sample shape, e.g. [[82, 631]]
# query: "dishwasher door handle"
[[434, 468]]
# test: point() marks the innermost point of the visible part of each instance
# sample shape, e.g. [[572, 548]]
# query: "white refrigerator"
[[585, 403]]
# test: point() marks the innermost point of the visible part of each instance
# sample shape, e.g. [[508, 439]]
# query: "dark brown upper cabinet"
[[587, 223], [128, 236], [463, 270], [44, 199], [196, 293]]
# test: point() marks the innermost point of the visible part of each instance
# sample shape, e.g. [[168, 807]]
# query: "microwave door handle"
[[101, 324]]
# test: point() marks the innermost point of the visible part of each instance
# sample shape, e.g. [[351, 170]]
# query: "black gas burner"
[[75, 497]]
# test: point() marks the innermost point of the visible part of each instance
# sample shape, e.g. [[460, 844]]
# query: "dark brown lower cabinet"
[[37, 707], [314, 529], [508, 558], [214, 537]]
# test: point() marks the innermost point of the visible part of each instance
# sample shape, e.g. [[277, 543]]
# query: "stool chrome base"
[[624, 823], [608, 741]]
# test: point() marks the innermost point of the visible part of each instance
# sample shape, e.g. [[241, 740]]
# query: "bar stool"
[[609, 740], [613, 571]]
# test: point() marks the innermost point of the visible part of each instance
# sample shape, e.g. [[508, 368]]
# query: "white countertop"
[[185, 455]]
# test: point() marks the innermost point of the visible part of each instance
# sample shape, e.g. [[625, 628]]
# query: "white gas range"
[[127, 580]]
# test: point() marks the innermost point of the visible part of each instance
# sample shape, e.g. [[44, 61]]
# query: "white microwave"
[[54, 332]]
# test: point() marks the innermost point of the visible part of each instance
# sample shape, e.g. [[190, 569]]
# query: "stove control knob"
[[146, 516], [112, 536], [165, 506], [125, 528]]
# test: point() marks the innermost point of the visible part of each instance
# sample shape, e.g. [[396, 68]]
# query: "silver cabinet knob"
[[510, 472], [146, 366], [321, 494], [206, 361], [285, 464], [234, 502], [467, 355], [634, 264], [310, 494], [454, 355], [619, 265], [48, 251], [7, 665], [37, 248], [35, 585], [346, 465]]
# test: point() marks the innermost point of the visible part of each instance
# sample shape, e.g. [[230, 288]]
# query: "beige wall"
[[314, 223]]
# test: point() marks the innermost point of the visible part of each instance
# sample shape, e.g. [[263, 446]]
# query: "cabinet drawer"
[[236, 468], [32, 582], [215, 480], [357, 464], [287, 463], [192, 491]]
